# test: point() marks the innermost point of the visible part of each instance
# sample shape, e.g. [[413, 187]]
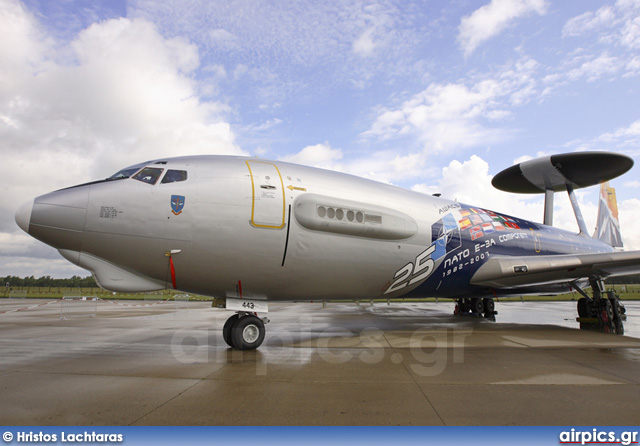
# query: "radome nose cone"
[[23, 216]]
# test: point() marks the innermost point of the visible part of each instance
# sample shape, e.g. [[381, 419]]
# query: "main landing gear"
[[604, 312], [476, 306], [244, 331]]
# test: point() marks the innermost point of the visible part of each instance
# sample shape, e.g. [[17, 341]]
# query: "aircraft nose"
[[23, 215], [57, 218]]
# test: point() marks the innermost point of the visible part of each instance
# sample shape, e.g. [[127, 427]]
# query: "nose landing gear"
[[244, 331]]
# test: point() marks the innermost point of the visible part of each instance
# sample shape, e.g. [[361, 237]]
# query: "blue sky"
[[435, 96]]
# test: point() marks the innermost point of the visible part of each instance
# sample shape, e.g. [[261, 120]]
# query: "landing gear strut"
[[244, 331], [476, 306], [604, 312]]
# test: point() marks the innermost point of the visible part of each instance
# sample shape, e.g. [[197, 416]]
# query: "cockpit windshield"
[[127, 172], [150, 175], [145, 173]]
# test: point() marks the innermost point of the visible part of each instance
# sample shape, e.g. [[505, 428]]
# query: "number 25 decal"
[[414, 272]]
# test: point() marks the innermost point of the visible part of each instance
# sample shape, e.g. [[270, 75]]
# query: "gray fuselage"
[[233, 226]]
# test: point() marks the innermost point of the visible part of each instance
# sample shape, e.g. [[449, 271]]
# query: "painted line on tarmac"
[[29, 308], [135, 305]]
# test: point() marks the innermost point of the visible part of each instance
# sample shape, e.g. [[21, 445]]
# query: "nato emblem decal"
[[177, 203]]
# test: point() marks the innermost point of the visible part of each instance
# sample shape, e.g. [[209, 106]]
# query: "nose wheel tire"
[[226, 330], [244, 333]]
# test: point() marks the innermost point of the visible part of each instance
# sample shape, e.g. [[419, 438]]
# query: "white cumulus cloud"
[[469, 182], [448, 116], [119, 93], [491, 19], [318, 155], [364, 45], [629, 213]]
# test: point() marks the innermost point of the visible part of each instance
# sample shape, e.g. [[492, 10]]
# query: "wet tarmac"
[[88, 363]]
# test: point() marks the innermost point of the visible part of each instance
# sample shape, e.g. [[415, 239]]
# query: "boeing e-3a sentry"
[[250, 231]]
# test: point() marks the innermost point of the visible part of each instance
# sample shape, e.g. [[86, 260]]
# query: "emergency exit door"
[[267, 209]]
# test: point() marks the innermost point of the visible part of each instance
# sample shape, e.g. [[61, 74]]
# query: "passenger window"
[[148, 175], [173, 176]]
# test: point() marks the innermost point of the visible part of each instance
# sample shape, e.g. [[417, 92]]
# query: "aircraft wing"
[[514, 272]]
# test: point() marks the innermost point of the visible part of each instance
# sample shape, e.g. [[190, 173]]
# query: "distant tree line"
[[634, 278], [48, 281], [89, 282]]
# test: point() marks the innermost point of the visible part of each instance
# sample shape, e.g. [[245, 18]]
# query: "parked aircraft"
[[250, 231]]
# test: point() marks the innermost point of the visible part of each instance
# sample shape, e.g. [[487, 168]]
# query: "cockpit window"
[[126, 172], [174, 176], [148, 175]]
